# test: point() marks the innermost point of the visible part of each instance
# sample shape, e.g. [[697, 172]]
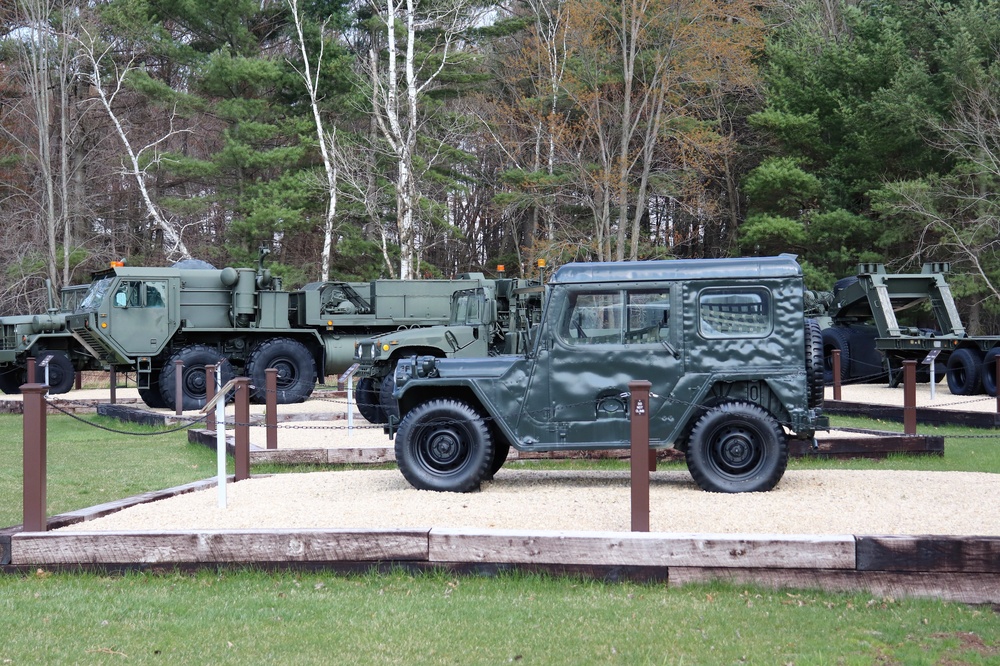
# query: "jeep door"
[[596, 340]]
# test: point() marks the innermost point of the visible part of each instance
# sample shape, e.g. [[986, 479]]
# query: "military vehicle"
[[735, 368], [491, 319], [144, 320], [56, 352], [878, 319]]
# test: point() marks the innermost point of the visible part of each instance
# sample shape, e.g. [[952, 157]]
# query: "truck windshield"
[[95, 294], [467, 306]]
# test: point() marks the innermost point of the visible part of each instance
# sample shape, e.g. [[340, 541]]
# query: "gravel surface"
[[805, 502]]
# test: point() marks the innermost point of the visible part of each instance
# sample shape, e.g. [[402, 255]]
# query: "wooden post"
[[242, 423], [34, 457], [209, 394], [78, 380], [835, 355], [113, 378], [178, 387], [639, 417], [271, 407], [30, 368], [910, 397]]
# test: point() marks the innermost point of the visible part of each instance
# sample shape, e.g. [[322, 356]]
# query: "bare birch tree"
[[107, 79]]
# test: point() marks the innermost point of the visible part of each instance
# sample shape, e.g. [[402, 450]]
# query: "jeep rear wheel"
[[444, 445], [737, 447]]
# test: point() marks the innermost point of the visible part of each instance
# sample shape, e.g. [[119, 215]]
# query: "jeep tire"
[[444, 445], [814, 363], [737, 447]]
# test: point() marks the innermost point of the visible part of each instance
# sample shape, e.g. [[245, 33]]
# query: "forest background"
[[421, 138]]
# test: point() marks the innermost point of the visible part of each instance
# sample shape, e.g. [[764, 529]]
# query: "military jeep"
[[736, 370]]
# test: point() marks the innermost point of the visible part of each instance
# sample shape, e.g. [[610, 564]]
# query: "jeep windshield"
[[95, 294]]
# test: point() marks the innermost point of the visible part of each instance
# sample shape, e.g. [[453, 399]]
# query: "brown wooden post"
[[178, 387], [30, 368], [639, 416], [271, 407], [242, 423], [209, 394], [835, 355], [910, 397], [78, 380], [113, 378], [34, 457]]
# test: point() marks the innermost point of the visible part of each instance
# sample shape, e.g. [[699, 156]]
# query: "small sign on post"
[[931, 361]]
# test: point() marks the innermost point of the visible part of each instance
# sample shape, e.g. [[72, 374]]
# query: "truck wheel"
[[444, 445], [814, 363], [965, 372], [737, 447], [61, 372], [385, 398], [836, 338], [990, 371], [152, 396], [501, 449], [366, 395], [295, 365], [12, 378], [195, 358]]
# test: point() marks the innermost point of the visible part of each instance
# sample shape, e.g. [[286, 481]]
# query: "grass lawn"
[[237, 617], [88, 465]]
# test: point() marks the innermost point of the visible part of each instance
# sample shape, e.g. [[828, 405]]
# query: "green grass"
[[235, 617], [88, 465]]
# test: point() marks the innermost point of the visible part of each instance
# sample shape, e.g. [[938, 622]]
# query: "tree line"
[[422, 138]]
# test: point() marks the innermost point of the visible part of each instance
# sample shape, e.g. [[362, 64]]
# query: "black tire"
[[366, 395], [965, 372], [61, 371], [501, 449], [195, 358], [737, 447], [814, 363], [151, 396], [444, 445], [836, 338], [990, 371], [294, 363], [390, 408], [12, 378]]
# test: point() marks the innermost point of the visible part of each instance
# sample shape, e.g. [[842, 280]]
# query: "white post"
[[933, 380], [220, 438]]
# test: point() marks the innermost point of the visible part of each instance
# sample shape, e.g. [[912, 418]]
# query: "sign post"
[[931, 360], [218, 403]]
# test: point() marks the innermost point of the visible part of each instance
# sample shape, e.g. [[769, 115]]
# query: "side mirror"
[[121, 300]]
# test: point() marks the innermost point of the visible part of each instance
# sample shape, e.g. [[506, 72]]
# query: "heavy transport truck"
[[56, 353], [878, 319], [494, 318], [144, 320], [735, 369]]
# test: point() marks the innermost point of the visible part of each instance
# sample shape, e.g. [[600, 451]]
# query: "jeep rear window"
[[734, 313], [600, 318]]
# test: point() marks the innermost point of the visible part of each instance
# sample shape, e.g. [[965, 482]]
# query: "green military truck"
[[494, 318], [56, 352], [143, 320], [877, 320], [735, 367]]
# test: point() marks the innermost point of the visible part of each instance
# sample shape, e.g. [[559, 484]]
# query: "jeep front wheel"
[[737, 447], [444, 445]]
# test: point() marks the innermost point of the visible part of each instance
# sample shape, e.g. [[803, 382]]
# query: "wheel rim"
[[194, 383], [441, 448], [287, 373], [736, 450]]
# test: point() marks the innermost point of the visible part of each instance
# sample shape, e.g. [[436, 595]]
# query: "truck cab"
[[734, 365]]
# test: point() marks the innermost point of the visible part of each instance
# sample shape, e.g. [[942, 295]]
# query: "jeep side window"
[[734, 313], [648, 316], [593, 318]]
